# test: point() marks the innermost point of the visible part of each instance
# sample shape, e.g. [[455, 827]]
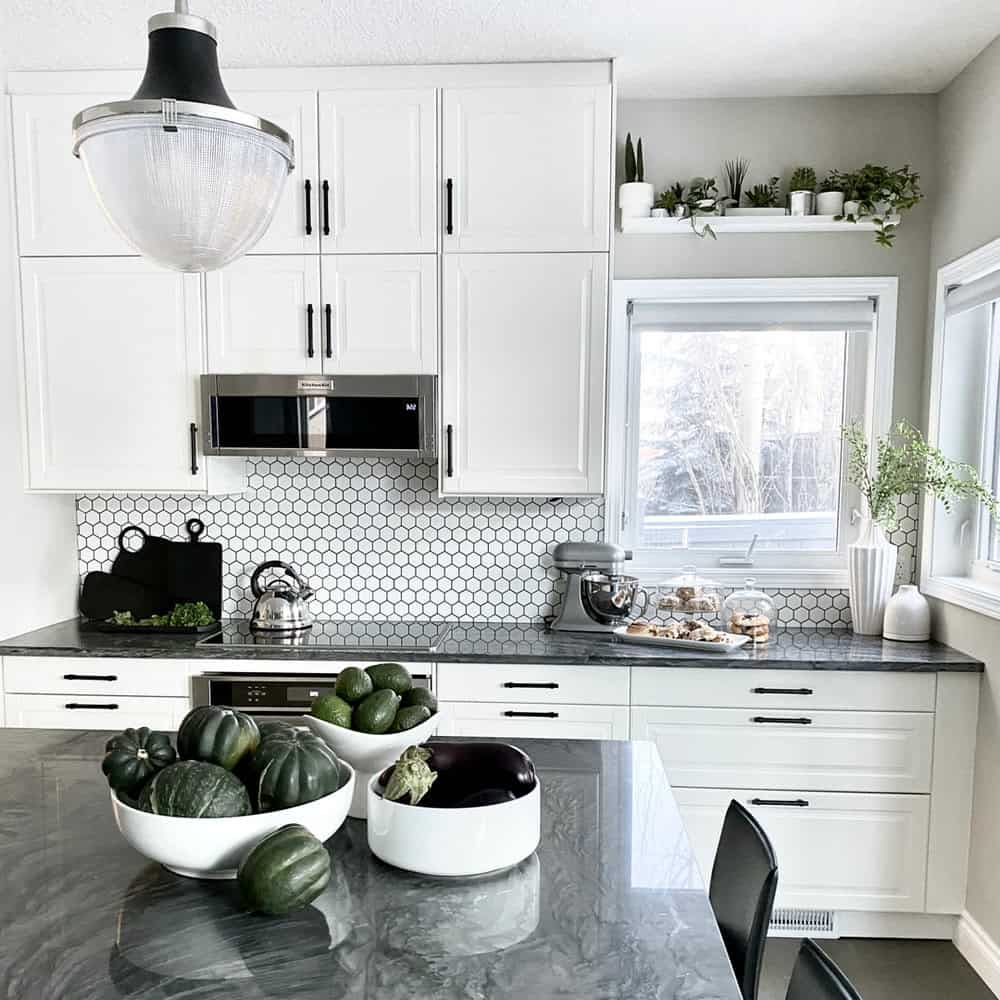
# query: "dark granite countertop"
[[610, 906], [499, 642]]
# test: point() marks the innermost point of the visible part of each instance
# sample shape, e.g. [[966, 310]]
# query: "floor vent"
[[803, 923]]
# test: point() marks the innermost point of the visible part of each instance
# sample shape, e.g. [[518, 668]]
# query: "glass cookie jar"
[[749, 612], [689, 594]]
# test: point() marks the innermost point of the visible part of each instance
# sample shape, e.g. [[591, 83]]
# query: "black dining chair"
[[744, 880], [817, 977]]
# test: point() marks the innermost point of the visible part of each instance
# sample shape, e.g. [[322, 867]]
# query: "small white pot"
[[751, 212], [907, 616], [852, 208], [800, 202], [636, 200], [871, 564], [830, 203]]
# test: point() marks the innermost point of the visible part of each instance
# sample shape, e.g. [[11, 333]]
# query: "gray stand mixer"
[[599, 596]]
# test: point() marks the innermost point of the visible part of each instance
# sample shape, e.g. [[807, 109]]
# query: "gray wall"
[[965, 217], [682, 139]]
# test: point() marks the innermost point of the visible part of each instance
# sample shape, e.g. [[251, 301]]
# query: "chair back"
[[817, 977]]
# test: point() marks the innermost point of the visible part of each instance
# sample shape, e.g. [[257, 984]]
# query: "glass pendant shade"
[[185, 178]]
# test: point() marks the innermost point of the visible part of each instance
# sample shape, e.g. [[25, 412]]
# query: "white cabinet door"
[[102, 677], [112, 712], [541, 684], [522, 374], [112, 355], [525, 719], [378, 158], [836, 851], [57, 211], [382, 317], [296, 224], [530, 168], [259, 316]]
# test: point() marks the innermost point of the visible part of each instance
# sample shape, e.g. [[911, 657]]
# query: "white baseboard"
[[925, 926], [979, 950]]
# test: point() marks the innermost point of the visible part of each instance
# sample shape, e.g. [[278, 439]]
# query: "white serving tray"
[[732, 643]]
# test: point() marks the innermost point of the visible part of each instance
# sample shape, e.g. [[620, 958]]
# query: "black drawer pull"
[[328, 310], [781, 690], [531, 715], [785, 721], [76, 704], [193, 430], [310, 351], [449, 468], [309, 208], [552, 685], [449, 188], [800, 803], [90, 677], [326, 208]]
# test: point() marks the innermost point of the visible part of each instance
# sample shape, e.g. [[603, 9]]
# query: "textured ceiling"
[[664, 48]]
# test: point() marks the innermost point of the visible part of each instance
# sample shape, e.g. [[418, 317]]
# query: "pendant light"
[[188, 180]]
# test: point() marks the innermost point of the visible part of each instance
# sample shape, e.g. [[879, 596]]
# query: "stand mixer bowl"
[[609, 597]]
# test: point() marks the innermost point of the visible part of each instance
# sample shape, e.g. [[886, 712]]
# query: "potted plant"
[[830, 200], [672, 201], [882, 195], [801, 191], [903, 463], [736, 175], [702, 199], [635, 196], [763, 199]]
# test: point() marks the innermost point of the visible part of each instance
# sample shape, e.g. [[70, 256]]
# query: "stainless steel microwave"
[[388, 416]]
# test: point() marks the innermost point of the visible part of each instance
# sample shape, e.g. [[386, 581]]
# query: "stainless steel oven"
[[270, 695], [361, 415]]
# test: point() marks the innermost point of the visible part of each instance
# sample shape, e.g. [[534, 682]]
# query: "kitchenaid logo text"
[[315, 385]]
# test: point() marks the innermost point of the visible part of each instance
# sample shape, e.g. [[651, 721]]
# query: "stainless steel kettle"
[[280, 604]]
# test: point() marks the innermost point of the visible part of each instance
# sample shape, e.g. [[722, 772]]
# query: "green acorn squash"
[[289, 769], [217, 735], [288, 869], [197, 789], [131, 758]]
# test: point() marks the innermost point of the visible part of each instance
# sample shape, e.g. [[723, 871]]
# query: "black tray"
[[93, 626]]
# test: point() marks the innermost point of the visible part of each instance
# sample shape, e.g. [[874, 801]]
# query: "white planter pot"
[[636, 200], [871, 565], [852, 208], [754, 212], [830, 203], [907, 616], [800, 202]]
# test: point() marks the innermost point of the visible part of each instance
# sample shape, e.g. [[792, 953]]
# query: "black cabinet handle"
[[800, 803], [309, 207], [800, 721], [531, 715], [107, 708], [309, 330], [530, 684], [326, 208], [449, 469], [781, 690], [449, 188], [328, 309], [90, 677], [194, 449]]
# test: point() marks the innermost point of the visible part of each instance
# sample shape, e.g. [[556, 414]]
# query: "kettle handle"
[[264, 567]]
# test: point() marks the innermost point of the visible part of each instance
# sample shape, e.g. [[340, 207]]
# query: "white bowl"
[[214, 848], [454, 842], [369, 753]]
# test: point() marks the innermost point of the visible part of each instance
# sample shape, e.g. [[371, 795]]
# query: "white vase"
[[636, 199], [852, 208], [871, 566], [907, 616], [830, 203]]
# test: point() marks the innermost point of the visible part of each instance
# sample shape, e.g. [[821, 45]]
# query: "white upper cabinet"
[[265, 316], [522, 374], [57, 211], [528, 168], [295, 227], [378, 160], [112, 354], [380, 314]]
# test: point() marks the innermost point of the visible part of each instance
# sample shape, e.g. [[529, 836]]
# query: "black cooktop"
[[416, 636]]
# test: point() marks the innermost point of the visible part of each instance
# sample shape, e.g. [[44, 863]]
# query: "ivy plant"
[[883, 194]]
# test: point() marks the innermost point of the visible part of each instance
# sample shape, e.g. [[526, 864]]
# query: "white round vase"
[[830, 203], [871, 566], [635, 199], [907, 616]]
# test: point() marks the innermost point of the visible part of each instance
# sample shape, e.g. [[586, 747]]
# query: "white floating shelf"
[[746, 224]]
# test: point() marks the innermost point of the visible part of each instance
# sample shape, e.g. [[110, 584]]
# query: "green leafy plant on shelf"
[[736, 175], [702, 198], [765, 195], [883, 195], [672, 199], [802, 179], [904, 463], [635, 169], [839, 180]]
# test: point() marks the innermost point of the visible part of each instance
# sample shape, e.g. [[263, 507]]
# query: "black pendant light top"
[[183, 64]]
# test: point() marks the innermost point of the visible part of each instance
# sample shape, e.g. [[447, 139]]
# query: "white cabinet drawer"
[[797, 689], [571, 722], [53, 711], [86, 675], [837, 851], [537, 684], [834, 751]]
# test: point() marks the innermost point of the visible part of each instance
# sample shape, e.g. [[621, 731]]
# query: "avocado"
[[407, 718], [353, 685], [420, 696], [390, 676], [376, 713], [333, 709]]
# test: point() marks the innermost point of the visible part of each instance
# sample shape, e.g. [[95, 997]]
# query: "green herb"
[[191, 614], [803, 179], [906, 463]]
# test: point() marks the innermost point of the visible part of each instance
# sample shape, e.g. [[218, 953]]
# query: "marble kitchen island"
[[612, 904]]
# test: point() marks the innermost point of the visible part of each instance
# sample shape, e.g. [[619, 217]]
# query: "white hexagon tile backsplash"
[[376, 542]]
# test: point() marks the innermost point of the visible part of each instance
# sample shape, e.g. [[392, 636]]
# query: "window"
[[961, 553], [732, 395]]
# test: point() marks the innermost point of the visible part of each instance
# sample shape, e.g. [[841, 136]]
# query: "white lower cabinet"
[[72, 711], [529, 719], [835, 850]]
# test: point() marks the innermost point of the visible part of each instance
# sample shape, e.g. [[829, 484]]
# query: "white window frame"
[[778, 569], [979, 590]]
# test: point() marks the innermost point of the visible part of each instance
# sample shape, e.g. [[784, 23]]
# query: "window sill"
[[767, 577], [966, 592]]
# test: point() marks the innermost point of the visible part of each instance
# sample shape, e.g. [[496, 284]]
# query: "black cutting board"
[[105, 593], [146, 564], [194, 570]]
